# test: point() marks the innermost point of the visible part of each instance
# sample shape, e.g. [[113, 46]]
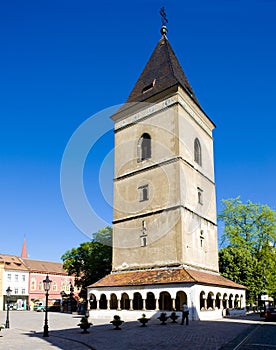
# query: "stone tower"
[[164, 230], [164, 188]]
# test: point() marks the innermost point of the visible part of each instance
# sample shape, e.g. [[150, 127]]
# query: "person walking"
[[185, 314]]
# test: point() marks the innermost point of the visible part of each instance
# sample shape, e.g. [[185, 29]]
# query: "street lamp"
[[47, 286], [70, 298], [8, 293]]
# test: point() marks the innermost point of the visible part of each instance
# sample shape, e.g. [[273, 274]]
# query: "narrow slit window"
[[201, 238], [199, 195], [143, 236], [143, 241]]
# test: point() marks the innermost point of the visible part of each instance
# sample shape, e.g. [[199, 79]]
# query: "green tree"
[[239, 266], [91, 260], [249, 233]]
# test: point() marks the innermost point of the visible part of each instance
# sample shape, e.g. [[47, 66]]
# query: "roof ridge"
[[189, 274], [168, 52]]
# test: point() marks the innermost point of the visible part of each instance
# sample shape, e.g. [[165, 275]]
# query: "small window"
[[16, 278], [143, 241], [197, 152], [23, 278], [144, 228], [200, 195], [144, 193], [144, 147], [63, 286], [40, 286], [201, 238], [143, 236], [15, 290], [23, 290], [54, 286], [9, 276], [33, 284], [149, 87]]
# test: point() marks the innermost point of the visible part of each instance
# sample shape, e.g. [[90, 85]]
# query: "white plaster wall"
[[192, 292], [13, 284]]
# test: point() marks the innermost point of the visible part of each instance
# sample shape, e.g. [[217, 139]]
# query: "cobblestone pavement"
[[25, 332]]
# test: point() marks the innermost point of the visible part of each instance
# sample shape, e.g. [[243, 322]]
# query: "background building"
[[25, 278], [16, 276], [61, 282]]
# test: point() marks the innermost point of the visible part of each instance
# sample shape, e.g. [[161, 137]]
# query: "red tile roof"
[[214, 279], [45, 267], [164, 276], [12, 262]]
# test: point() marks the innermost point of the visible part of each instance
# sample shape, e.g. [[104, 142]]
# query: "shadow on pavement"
[[65, 339], [207, 335]]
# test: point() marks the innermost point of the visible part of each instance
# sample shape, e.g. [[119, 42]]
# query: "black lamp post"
[[8, 293], [47, 286], [70, 298]]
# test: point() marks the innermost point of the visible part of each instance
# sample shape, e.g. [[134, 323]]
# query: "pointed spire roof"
[[162, 71], [24, 253]]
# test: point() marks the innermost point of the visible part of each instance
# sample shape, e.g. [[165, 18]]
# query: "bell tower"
[[164, 187]]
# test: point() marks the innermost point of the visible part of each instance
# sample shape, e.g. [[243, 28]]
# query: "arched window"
[[92, 301], [137, 301], [210, 301], [165, 301], [113, 302], [218, 300], [40, 285], [103, 302], [197, 152], [125, 302], [202, 300], [144, 147], [181, 298], [150, 301], [33, 284], [231, 301]]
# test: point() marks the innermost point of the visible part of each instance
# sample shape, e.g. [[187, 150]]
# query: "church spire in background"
[[24, 253]]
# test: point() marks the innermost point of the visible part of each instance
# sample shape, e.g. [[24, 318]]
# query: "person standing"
[[185, 314]]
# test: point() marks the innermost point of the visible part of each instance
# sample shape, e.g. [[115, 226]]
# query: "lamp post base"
[[8, 318], [46, 332]]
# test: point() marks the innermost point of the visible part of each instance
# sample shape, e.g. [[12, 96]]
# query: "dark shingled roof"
[[162, 71], [164, 276]]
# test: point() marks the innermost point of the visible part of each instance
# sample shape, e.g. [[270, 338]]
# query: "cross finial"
[[164, 20]]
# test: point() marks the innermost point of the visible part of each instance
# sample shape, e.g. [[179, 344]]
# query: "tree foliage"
[[239, 266], [91, 260], [249, 257]]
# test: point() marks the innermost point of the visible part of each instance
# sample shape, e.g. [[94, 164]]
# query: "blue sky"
[[63, 61]]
